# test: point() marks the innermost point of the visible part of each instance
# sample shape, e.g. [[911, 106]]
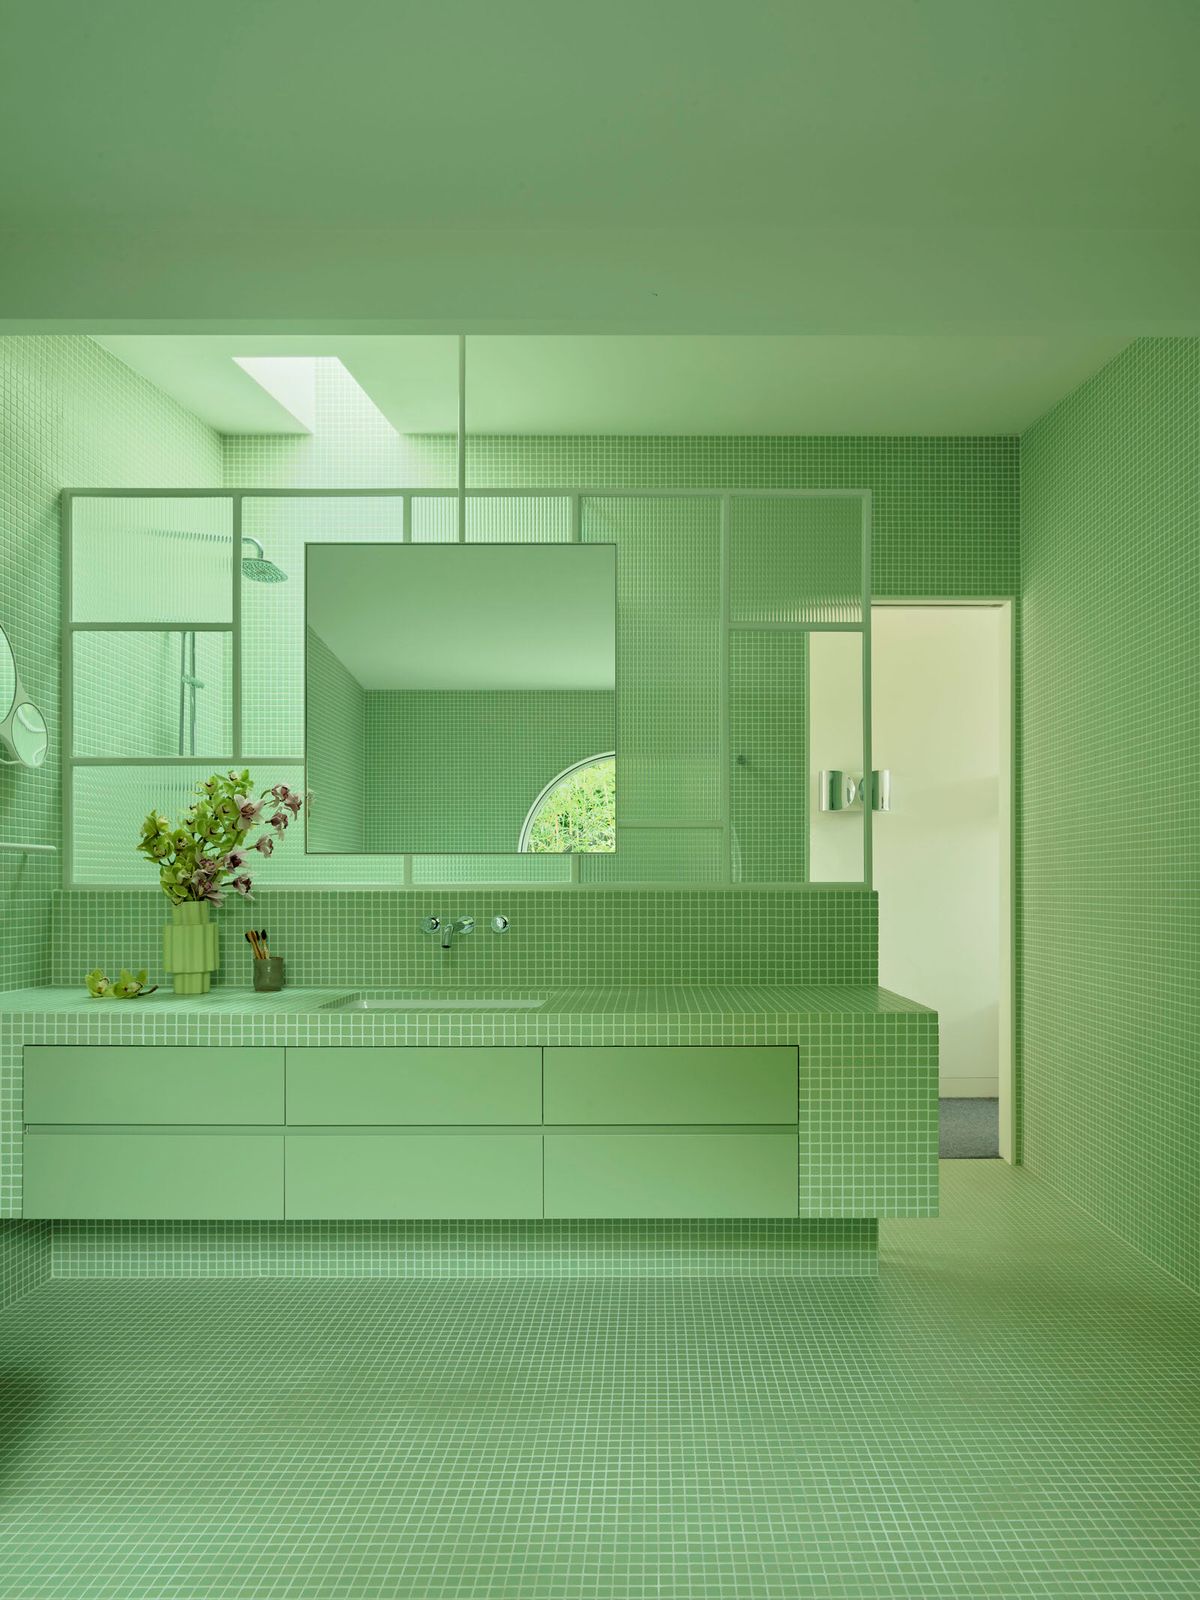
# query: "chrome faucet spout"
[[447, 929]]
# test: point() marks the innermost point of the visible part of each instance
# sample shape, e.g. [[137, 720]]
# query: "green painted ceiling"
[[698, 166], [528, 114], [484, 616]]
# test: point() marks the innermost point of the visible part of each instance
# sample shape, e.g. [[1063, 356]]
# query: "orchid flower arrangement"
[[207, 852]]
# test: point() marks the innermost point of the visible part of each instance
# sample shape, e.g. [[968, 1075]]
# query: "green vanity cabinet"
[[414, 1084], [366, 1175], [671, 1083], [393, 1131], [153, 1084], [670, 1175], [179, 1175]]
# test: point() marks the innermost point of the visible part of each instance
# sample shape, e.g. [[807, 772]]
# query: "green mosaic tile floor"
[[1011, 1410]]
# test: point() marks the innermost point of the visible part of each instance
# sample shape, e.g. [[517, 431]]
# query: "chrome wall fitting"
[[460, 925], [847, 791]]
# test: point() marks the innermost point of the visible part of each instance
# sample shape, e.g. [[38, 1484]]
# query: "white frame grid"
[[576, 496]]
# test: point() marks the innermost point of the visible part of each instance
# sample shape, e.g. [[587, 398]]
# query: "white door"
[[940, 723]]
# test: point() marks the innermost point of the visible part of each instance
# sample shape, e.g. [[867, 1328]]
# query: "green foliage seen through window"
[[579, 813]]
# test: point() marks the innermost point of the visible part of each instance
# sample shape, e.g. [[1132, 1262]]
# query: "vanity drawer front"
[[173, 1175], [152, 1083], [367, 1175], [362, 1086], [670, 1174], [671, 1083]]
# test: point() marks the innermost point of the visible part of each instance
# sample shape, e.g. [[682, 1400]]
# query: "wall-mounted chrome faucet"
[[459, 925], [448, 929]]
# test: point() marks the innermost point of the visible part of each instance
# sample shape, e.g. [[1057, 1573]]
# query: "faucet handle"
[[464, 925], [430, 924]]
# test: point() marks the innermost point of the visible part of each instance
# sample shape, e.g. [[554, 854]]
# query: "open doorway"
[[942, 726]]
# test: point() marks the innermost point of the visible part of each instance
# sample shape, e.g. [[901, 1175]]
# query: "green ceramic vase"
[[190, 947]]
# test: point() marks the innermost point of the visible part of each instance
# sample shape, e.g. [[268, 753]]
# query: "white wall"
[[940, 687]]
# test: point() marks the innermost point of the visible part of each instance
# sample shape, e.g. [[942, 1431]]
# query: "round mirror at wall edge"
[[24, 733], [8, 676], [30, 736]]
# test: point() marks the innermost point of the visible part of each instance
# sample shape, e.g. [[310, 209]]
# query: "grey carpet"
[[969, 1129]]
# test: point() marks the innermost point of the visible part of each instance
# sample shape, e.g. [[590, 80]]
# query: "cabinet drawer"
[[672, 1083], [201, 1175], [410, 1084], [152, 1083], [414, 1175], [670, 1174]]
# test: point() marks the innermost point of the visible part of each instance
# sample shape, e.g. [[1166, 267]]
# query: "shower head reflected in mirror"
[[256, 568]]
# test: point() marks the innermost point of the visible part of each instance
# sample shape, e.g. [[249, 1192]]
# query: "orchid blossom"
[[207, 849]]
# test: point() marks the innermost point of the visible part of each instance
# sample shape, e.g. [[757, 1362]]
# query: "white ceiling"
[[461, 616], [645, 384]]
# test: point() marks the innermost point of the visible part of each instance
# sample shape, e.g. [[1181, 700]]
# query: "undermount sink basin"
[[435, 1002]]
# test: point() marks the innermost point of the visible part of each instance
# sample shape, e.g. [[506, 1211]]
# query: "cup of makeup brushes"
[[268, 969], [268, 974]]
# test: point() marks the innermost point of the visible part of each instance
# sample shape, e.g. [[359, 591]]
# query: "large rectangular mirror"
[[461, 698]]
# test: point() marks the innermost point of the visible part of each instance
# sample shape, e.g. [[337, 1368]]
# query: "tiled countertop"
[[869, 1057], [682, 1004]]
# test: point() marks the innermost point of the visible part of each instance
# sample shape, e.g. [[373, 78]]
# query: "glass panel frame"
[[112, 699], [378, 871], [177, 558]]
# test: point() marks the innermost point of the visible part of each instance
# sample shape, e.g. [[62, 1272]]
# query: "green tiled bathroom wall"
[[945, 521], [832, 1247], [599, 936], [794, 561], [337, 724], [768, 752], [1110, 769], [70, 414], [464, 765], [26, 1252], [390, 769], [945, 509]]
